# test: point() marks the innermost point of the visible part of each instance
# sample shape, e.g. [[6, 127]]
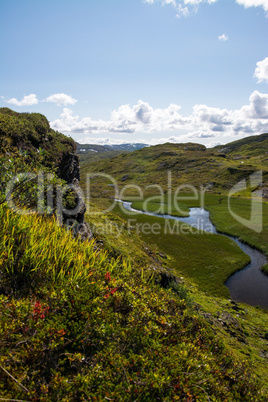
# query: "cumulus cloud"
[[27, 100], [204, 121], [184, 7], [261, 71], [258, 107], [61, 99], [70, 123], [254, 3], [223, 37], [109, 141]]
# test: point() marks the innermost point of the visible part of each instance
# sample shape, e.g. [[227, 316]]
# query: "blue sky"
[[148, 71]]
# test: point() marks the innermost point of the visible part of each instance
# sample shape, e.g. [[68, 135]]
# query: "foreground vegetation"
[[78, 325]]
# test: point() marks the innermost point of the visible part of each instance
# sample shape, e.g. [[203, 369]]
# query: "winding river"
[[249, 285]]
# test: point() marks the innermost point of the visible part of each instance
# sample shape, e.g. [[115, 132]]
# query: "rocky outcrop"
[[74, 219], [69, 169]]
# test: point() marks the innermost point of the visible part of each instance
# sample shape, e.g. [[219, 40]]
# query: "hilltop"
[[218, 168], [29, 134]]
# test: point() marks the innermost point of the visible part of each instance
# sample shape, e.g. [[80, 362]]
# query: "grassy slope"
[[92, 157], [30, 134], [90, 326], [224, 168], [91, 153], [242, 328]]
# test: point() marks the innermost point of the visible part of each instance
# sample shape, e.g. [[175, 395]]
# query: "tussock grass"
[[91, 327], [37, 249]]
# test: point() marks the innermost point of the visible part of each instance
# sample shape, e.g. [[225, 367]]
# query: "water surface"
[[248, 285]]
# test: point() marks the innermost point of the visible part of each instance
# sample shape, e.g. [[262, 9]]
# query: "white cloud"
[[183, 7], [223, 37], [109, 141], [61, 99], [258, 107], [261, 71], [204, 122], [27, 100], [254, 3], [70, 123]]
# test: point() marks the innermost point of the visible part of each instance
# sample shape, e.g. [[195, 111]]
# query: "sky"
[[126, 71]]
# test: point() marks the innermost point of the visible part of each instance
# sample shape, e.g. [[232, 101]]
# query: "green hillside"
[[29, 135], [219, 168], [79, 325]]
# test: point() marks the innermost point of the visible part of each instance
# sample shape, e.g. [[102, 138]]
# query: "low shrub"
[[76, 325]]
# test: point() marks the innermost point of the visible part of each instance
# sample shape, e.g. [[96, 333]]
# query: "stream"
[[249, 285]]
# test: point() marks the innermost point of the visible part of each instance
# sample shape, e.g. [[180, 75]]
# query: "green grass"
[[28, 255], [25, 133], [220, 214], [207, 259], [106, 320], [265, 269], [246, 338], [92, 327]]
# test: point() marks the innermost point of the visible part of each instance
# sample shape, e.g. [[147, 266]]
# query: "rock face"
[[69, 169], [74, 220]]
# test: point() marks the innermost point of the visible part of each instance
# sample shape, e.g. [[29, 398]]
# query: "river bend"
[[249, 285]]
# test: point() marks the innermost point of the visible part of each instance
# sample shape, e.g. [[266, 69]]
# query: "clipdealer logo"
[[255, 222], [44, 187]]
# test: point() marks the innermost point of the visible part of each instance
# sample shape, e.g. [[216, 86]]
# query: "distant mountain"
[[88, 148], [91, 153]]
